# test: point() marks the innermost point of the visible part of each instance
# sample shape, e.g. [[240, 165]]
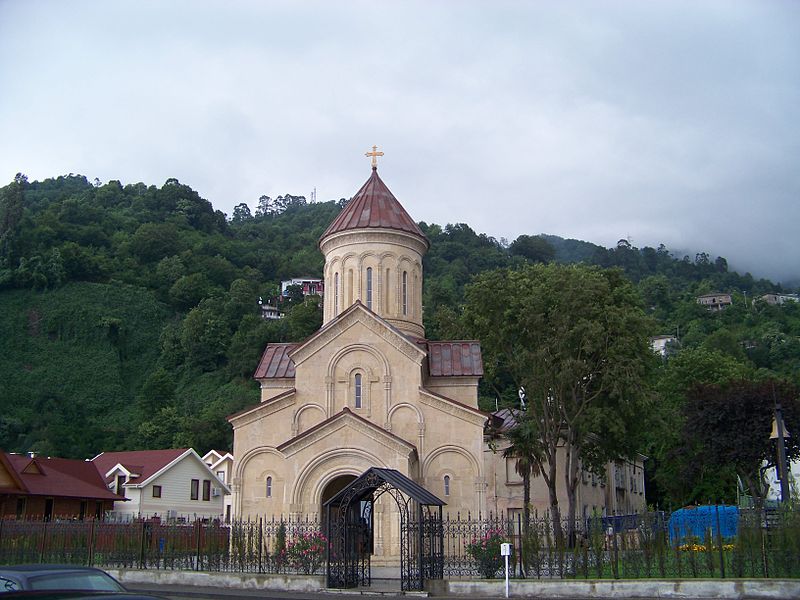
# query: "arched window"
[[336, 294], [447, 485], [385, 285], [358, 390], [269, 487], [405, 292], [349, 294], [369, 288]]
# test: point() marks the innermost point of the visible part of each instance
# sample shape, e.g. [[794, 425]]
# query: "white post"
[[505, 551]]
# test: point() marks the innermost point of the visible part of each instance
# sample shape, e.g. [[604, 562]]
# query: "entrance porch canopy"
[[349, 514]]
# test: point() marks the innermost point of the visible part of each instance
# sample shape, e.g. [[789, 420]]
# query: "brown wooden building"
[[49, 488]]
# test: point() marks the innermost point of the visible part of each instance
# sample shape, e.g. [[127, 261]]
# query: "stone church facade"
[[368, 390]]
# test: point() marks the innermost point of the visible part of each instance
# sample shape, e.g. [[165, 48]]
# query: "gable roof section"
[[345, 413], [214, 457], [374, 206], [357, 311], [455, 359], [10, 481], [140, 464], [454, 406], [265, 408], [60, 477], [275, 362], [149, 464]]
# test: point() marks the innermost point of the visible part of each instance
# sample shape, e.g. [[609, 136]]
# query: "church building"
[[367, 389]]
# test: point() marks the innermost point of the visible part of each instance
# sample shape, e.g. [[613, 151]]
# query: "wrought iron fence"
[[248, 546], [711, 543]]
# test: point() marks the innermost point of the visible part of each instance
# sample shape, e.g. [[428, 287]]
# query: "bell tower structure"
[[373, 254]]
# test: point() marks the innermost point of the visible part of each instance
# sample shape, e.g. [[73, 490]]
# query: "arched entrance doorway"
[[335, 486], [349, 522]]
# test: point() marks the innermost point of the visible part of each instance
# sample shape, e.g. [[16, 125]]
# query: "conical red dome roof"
[[374, 206]]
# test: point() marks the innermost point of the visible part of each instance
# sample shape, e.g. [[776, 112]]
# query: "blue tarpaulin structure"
[[694, 521]]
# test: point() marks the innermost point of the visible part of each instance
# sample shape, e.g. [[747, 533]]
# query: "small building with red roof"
[[170, 484], [36, 487]]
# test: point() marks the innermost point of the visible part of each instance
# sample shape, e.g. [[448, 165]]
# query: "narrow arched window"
[[447, 485], [405, 292], [357, 398], [336, 294], [369, 288], [269, 487], [385, 284]]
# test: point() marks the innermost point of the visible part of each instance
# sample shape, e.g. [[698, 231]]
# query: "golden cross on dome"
[[374, 154]]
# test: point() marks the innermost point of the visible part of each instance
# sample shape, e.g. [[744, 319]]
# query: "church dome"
[[374, 206]]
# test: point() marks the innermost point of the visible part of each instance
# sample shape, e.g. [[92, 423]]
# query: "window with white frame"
[[447, 485], [268, 490]]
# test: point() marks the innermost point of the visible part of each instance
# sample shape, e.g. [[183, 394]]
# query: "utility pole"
[[780, 432]]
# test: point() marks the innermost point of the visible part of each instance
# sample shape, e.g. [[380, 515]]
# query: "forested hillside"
[[129, 314]]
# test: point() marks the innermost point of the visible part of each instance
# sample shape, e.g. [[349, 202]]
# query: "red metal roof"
[[374, 206], [275, 362], [144, 463], [60, 477], [453, 359]]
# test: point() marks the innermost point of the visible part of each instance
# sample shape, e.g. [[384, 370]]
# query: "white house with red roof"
[[171, 484], [221, 463]]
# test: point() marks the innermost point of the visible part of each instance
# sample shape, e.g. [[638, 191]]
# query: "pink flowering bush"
[[486, 552], [306, 553]]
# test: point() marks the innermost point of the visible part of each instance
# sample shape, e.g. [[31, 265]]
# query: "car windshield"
[[76, 581]]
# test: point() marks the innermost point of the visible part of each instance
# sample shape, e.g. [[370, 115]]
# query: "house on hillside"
[[221, 463], [34, 487], [715, 301], [269, 312], [309, 285], [661, 344], [175, 484], [778, 299]]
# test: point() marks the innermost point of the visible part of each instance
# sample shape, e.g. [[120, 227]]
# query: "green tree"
[[576, 338], [727, 430], [11, 209], [157, 392], [533, 247], [241, 213], [688, 368]]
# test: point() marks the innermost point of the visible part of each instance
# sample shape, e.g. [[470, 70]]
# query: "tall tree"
[[576, 338]]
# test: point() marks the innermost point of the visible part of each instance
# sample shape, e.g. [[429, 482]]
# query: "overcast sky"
[[661, 122]]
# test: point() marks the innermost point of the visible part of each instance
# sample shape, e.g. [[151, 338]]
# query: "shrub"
[[486, 552], [307, 552]]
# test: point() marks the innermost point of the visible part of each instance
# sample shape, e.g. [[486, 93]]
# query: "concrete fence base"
[[696, 589], [238, 581], [630, 588]]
